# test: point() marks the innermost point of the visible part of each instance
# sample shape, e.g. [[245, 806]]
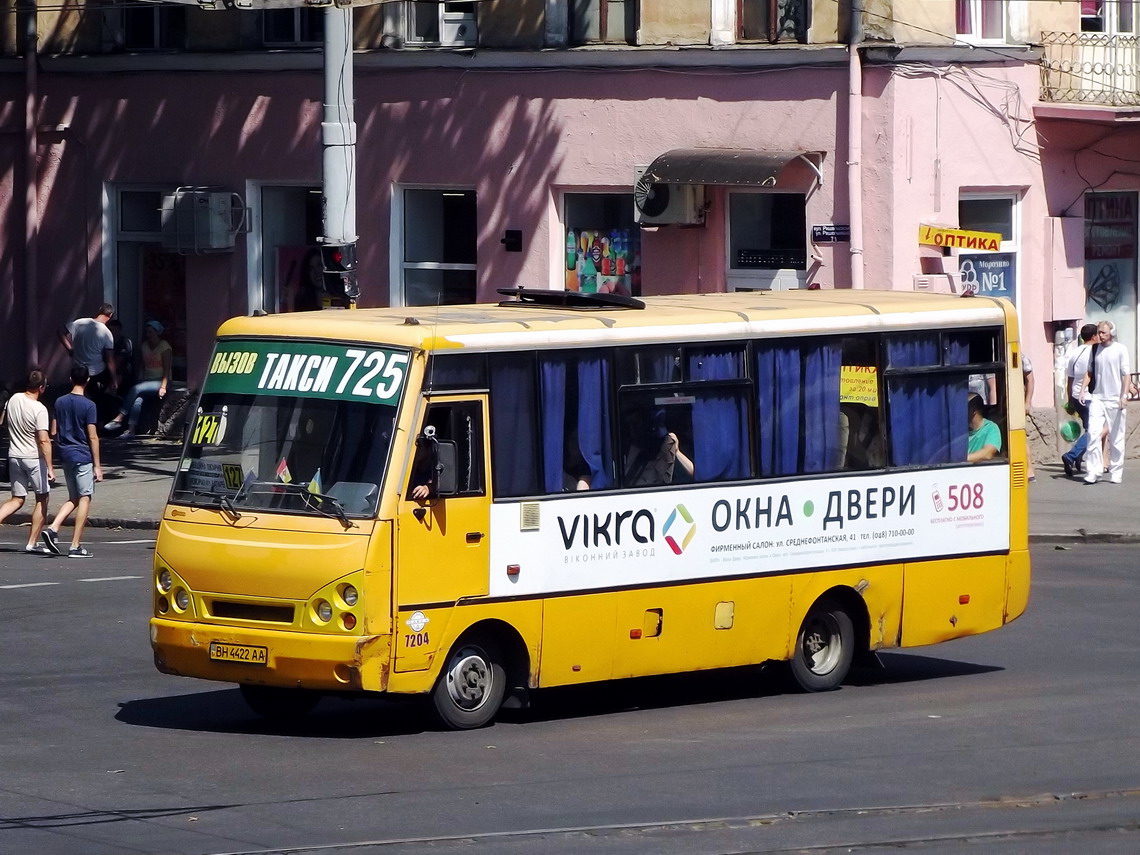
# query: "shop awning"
[[727, 166]]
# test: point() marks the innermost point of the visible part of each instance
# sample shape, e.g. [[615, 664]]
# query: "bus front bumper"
[[272, 658]]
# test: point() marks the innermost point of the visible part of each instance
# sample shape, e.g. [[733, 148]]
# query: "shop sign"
[[959, 238], [990, 275]]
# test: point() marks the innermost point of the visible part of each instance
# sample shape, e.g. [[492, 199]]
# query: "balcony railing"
[[1090, 68]]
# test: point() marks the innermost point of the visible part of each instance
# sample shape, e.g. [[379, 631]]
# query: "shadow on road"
[[348, 717]]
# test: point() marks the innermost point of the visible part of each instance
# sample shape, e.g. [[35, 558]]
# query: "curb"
[[1082, 536], [22, 519]]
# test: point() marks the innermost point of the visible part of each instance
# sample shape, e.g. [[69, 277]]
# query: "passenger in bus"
[[575, 471], [985, 436], [652, 457], [860, 445]]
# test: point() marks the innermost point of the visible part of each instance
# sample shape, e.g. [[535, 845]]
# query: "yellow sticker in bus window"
[[233, 476], [859, 384], [209, 429]]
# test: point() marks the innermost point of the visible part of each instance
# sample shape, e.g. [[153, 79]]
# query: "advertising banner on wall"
[[992, 274]]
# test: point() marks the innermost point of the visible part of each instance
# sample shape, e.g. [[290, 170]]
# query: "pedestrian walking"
[[1075, 371], [1107, 385], [29, 456], [92, 344], [74, 428]]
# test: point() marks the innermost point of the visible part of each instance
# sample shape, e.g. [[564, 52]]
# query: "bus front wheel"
[[471, 687], [825, 647], [279, 705]]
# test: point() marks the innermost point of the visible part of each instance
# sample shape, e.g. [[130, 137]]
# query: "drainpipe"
[[855, 142], [338, 161], [31, 191]]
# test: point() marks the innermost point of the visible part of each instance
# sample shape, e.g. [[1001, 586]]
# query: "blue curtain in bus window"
[[720, 426], [821, 406], [657, 366], [514, 425], [594, 420], [778, 368], [552, 373], [927, 413]]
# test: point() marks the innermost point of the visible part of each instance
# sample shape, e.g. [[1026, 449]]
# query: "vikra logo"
[[594, 530], [679, 529]]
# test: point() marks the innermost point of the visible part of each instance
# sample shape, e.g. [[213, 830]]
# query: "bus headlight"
[[324, 611], [181, 600], [165, 582], [350, 595]]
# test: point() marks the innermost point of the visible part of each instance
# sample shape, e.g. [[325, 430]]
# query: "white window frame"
[[976, 17], [1110, 15], [1012, 246], [396, 263], [448, 24], [751, 279]]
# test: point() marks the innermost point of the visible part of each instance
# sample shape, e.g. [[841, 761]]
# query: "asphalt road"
[[1024, 740]]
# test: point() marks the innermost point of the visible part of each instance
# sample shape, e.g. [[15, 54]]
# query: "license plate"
[[247, 653]]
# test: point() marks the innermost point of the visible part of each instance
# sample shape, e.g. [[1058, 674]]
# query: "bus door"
[[442, 544]]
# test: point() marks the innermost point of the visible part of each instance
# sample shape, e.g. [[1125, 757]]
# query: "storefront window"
[[767, 246], [990, 274], [439, 247], [603, 244], [1110, 263]]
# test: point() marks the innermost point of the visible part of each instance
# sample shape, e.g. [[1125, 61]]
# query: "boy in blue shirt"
[[74, 429]]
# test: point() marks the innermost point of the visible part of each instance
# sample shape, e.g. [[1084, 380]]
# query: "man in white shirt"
[[29, 456], [1107, 385], [1075, 371], [92, 344]]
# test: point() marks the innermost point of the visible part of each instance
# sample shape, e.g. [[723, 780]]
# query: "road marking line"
[[122, 542], [109, 578], [28, 585]]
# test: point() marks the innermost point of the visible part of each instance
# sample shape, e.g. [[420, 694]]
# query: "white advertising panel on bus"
[[589, 541]]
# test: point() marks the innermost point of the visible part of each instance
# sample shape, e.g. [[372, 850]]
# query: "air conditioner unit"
[[938, 283], [658, 204], [201, 220]]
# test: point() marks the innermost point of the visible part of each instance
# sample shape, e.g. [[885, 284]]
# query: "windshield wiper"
[[313, 501], [224, 501]]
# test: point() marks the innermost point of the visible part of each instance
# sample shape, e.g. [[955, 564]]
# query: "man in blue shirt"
[[75, 432]]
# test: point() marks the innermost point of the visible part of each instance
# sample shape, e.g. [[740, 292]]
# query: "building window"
[[150, 27], [293, 27], [780, 21], [1115, 17], [1111, 221], [606, 21], [603, 244], [981, 20], [447, 24], [990, 274], [767, 245], [439, 247]]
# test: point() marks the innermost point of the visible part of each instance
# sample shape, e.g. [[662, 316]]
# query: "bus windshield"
[[293, 428]]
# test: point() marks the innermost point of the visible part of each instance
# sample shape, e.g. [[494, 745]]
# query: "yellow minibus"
[[472, 502]]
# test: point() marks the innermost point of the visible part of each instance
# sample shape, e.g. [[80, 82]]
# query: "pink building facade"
[[479, 172]]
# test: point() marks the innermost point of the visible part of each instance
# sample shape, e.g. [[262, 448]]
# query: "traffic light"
[[338, 261]]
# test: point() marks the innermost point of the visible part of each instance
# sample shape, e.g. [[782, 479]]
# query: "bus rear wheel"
[[277, 704], [471, 687], [825, 647]]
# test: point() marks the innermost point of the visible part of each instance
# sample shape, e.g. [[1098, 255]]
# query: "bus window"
[[928, 388], [514, 425], [644, 366], [460, 424], [798, 397], [577, 448]]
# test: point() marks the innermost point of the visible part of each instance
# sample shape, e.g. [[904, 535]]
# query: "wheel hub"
[[468, 680]]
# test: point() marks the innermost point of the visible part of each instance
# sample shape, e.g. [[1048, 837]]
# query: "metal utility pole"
[[338, 161]]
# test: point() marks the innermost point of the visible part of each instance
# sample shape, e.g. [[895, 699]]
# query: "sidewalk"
[[137, 475]]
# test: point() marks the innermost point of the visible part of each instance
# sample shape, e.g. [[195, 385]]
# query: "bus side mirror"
[[446, 469]]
